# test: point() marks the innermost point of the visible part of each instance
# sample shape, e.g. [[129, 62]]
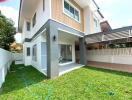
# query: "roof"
[[115, 34], [99, 12], [105, 26], [19, 15]]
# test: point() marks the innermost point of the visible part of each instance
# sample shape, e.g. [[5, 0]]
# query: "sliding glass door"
[[65, 53]]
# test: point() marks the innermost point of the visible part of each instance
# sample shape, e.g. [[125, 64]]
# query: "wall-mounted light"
[[54, 38]]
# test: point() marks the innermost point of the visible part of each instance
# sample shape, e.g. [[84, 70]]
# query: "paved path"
[[118, 67]]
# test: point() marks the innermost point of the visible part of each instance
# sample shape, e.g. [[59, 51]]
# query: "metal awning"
[[124, 33]]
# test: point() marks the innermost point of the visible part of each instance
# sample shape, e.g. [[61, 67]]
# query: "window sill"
[[71, 17]]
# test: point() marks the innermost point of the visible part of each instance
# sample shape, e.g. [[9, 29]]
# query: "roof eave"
[[19, 29]]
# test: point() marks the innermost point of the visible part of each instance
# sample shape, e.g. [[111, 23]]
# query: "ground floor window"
[[34, 57], [28, 51], [65, 53]]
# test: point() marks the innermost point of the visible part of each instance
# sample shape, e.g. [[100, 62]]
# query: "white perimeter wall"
[[5, 62], [119, 56]]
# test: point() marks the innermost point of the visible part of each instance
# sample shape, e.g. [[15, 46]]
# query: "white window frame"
[[95, 18], [34, 53], [74, 8], [96, 22], [96, 29]]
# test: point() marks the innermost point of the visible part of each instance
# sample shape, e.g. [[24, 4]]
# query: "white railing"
[[119, 56], [5, 62]]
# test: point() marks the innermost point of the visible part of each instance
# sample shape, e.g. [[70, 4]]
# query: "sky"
[[10, 8], [117, 12]]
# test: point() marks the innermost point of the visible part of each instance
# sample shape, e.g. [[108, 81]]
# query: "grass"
[[87, 83]]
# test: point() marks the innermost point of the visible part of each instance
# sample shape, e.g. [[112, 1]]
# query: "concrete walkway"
[[112, 66], [69, 67]]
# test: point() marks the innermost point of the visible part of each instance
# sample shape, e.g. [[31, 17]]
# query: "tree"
[[7, 32]]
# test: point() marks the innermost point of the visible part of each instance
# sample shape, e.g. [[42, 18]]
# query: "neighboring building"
[[105, 26], [50, 29], [16, 47]]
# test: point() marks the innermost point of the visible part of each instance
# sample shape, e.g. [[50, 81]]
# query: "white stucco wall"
[[87, 20], [89, 16], [38, 41], [5, 62], [28, 59], [37, 64], [42, 16], [119, 56]]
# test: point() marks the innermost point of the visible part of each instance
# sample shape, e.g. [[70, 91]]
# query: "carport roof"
[[112, 35]]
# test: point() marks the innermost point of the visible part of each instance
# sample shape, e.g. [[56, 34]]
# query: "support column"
[[52, 51], [83, 51]]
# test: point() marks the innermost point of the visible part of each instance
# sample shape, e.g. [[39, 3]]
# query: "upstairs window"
[[34, 20], [95, 23], [71, 11], [28, 26], [76, 15]]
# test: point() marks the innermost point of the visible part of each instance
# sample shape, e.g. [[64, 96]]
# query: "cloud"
[[112, 20], [10, 12], [110, 10]]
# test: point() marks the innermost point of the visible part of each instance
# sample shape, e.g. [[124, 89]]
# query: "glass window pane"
[[66, 5], [28, 51], [66, 53], [28, 26], [34, 56], [95, 22], [34, 19], [69, 53], [76, 15], [72, 11]]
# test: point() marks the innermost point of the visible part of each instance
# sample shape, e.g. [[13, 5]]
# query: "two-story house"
[[51, 28]]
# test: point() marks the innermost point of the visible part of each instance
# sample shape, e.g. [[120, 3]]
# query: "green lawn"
[[87, 83]]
